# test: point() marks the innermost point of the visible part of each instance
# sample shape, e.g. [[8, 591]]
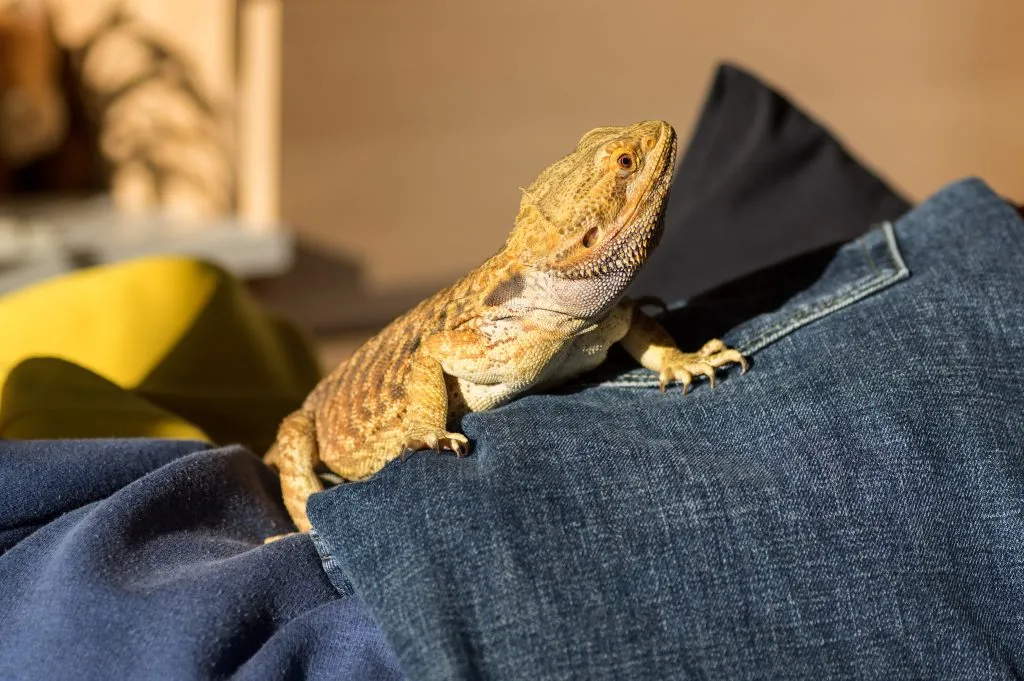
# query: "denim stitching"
[[837, 301], [889, 273], [331, 566]]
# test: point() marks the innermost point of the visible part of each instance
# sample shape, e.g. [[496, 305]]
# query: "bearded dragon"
[[545, 308]]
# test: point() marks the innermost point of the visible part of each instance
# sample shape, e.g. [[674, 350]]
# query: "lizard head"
[[587, 223]]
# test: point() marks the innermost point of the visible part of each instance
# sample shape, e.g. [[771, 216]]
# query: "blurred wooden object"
[[157, 72], [183, 99], [33, 108], [187, 96], [259, 111]]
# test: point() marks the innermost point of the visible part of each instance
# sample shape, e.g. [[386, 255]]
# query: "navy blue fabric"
[[851, 508], [143, 559]]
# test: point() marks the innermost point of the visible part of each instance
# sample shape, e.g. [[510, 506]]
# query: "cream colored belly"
[[568, 359]]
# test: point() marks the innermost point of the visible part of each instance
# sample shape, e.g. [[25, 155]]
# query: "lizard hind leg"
[[295, 454]]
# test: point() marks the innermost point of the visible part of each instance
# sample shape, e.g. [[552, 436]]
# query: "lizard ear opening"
[[506, 290], [590, 238]]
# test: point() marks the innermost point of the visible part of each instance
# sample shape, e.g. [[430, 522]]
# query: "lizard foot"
[[428, 438], [683, 366]]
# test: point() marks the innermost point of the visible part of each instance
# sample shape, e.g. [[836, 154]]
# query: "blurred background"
[[348, 157]]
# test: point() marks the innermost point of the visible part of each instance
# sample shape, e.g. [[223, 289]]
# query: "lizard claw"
[[459, 447], [721, 354], [683, 367], [668, 375], [712, 347], [437, 440]]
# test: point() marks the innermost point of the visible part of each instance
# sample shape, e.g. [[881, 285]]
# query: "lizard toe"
[[684, 367], [457, 443], [437, 440], [712, 347]]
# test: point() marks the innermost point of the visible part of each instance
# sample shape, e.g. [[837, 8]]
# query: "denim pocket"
[[857, 270]]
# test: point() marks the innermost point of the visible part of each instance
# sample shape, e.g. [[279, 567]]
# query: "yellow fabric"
[[47, 397], [161, 347]]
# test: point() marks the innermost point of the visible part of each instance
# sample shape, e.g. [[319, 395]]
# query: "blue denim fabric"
[[851, 508], [143, 559]]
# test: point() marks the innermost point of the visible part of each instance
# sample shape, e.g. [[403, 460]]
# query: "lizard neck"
[[506, 288]]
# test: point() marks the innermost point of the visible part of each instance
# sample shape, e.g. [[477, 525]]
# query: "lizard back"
[[360, 406]]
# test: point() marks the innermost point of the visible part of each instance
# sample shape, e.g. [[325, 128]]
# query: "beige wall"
[[409, 125]]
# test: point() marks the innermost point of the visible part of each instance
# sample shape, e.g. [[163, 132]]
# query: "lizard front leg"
[[427, 411], [651, 345]]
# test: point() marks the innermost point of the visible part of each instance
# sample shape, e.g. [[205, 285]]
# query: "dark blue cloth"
[[143, 559], [851, 508]]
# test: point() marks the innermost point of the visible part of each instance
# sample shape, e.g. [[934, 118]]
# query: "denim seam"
[[890, 272], [334, 571], [844, 297]]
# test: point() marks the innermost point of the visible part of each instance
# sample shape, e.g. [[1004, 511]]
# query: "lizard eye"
[[590, 238], [626, 162]]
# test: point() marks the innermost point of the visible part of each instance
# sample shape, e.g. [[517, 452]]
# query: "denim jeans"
[[851, 508]]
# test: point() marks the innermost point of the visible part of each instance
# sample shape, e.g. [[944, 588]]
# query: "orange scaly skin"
[[543, 309]]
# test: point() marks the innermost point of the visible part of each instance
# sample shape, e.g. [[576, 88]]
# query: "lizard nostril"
[[648, 143], [590, 238]]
